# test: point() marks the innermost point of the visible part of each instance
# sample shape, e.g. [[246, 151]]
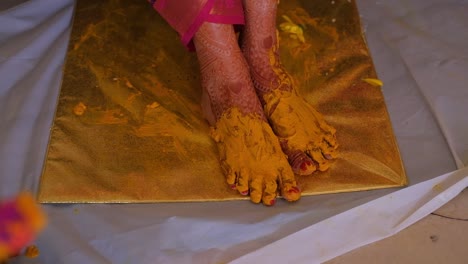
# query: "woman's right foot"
[[250, 153]]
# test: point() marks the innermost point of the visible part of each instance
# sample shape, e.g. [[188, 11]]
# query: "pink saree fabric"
[[186, 16]]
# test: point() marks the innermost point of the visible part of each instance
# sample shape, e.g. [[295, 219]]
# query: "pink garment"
[[186, 16]]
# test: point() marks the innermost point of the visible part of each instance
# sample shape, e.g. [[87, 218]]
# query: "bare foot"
[[305, 137], [250, 153]]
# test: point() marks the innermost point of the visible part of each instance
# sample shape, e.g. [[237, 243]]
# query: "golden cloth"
[[129, 128]]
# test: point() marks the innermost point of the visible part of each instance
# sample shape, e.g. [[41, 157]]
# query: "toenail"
[[244, 192], [328, 156], [305, 165], [233, 186], [294, 190], [272, 202]]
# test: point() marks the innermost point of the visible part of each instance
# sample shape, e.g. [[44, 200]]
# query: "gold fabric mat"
[[129, 128]]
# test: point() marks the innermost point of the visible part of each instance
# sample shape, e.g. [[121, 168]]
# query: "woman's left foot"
[[306, 138]]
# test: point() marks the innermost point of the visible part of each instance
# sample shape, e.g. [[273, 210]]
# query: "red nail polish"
[[233, 186], [244, 192], [272, 202], [305, 165], [294, 190]]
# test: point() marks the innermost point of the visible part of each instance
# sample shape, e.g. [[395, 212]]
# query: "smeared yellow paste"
[[374, 82], [251, 157], [295, 31], [297, 122]]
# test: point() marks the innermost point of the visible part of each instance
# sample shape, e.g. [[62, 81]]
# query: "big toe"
[[289, 189], [301, 164]]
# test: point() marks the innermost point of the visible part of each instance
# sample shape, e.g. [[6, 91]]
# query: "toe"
[[329, 150], [307, 167], [301, 164], [243, 182], [256, 190], [330, 140], [269, 192], [329, 153], [229, 174], [288, 185], [316, 154]]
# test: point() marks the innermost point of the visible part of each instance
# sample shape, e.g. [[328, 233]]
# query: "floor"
[[441, 237]]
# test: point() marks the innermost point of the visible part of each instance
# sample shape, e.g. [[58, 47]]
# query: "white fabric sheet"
[[420, 50]]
